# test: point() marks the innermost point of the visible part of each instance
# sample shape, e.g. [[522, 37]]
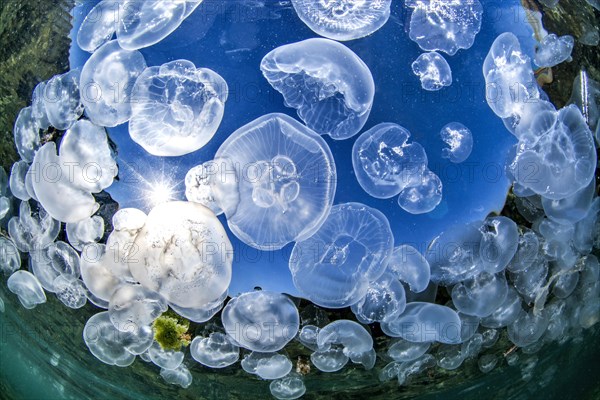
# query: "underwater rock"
[[27, 287], [261, 321], [433, 71], [176, 108], [331, 88], [334, 267], [343, 20]]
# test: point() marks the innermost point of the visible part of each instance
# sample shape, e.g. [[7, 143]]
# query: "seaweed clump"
[[171, 331]]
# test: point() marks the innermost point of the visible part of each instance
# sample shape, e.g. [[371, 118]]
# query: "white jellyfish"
[[176, 108], [425, 322], [481, 295], [408, 265], [166, 359], [62, 100], [499, 243], [86, 231], [10, 258], [134, 305], [27, 287], [215, 351], [275, 179], [97, 274], [27, 134], [422, 196], [99, 25], [459, 140], [330, 360], [385, 162], [334, 267], [352, 337], [261, 321], [107, 81], [203, 313], [331, 88], [70, 291], [402, 350], [289, 387], [556, 172], [433, 71], [444, 25], [179, 376], [510, 82], [33, 229], [343, 19], [553, 50], [571, 209], [506, 313], [267, 365], [528, 328], [184, 254], [17, 180], [385, 300]]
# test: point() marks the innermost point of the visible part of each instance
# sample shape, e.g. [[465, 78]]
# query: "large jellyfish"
[[334, 267], [445, 25], [183, 253], [385, 162], [107, 81], [285, 181], [343, 19], [261, 321], [331, 87], [176, 108]]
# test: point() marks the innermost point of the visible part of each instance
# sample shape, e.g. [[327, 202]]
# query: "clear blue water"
[[232, 37]]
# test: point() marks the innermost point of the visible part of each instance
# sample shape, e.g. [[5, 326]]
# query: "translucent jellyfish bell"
[[331, 87], [176, 108], [27, 287], [261, 321], [423, 196], [385, 162], [343, 19], [215, 351], [433, 71], [459, 140], [408, 265], [183, 254], [444, 25], [334, 267], [134, 305], [285, 177], [107, 81]]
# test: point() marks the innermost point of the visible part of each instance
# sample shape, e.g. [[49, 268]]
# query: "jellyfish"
[[18, 176], [334, 267], [409, 266], [107, 81], [10, 258], [99, 25], [444, 25], [261, 321], [433, 71], [183, 253], [268, 366], [62, 100], [385, 162], [86, 231], [289, 387], [203, 313], [166, 359], [179, 376], [176, 108], [275, 179], [70, 291], [27, 134], [330, 360], [385, 300], [553, 50], [481, 295], [499, 243], [330, 87], [423, 196], [27, 287], [402, 350], [134, 305], [215, 351], [459, 140], [33, 229], [343, 19]]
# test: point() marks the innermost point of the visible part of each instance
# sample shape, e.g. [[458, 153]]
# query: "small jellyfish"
[[433, 71], [289, 387], [33, 229], [444, 25], [62, 100], [179, 376], [166, 359], [422, 197], [214, 351], [134, 305], [27, 287], [499, 243], [385, 300], [343, 19], [350, 335], [330, 360], [107, 81], [481, 295], [17, 184], [27, 134], [385, 162], [285, 181], [408, 265], [87, 231], [183, 253], [553, 50], [334, 267], [459, 140], [403, 350], [96, 272], [330, 87], [99, 25], [261, 321], [176, 108], [267, 365], [70, 291], [506, 313], [10, 258]]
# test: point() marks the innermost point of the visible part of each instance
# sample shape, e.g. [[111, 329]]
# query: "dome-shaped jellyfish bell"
[[334, 267], [176, 108], [285, 181], [330, 87], [343, 19], [183, 254], [261, 321]]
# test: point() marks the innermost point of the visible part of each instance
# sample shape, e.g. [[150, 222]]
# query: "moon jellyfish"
[[261, 321], [553, 50], [27, 287], [499, 243], [62, 100], [330, 360], [10, 258], [402, 350], [176, 108], [285, 181], [481, 295], [422, 197], [166, 359], [107, 81], [343, 19], [70, 291], [179, 376], [33, 229], [459, 140], [289, 387], [215, 351], [134, 305], [267, 365], [385, 162], [183, 253], [99, 25], [87, 231], [408, 265], [351, 336], [334, 267], [385, 300], [330, 87], [27, 134], [433, 71], [444, 25], [203, 313], [556, 172], [425, 322]]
